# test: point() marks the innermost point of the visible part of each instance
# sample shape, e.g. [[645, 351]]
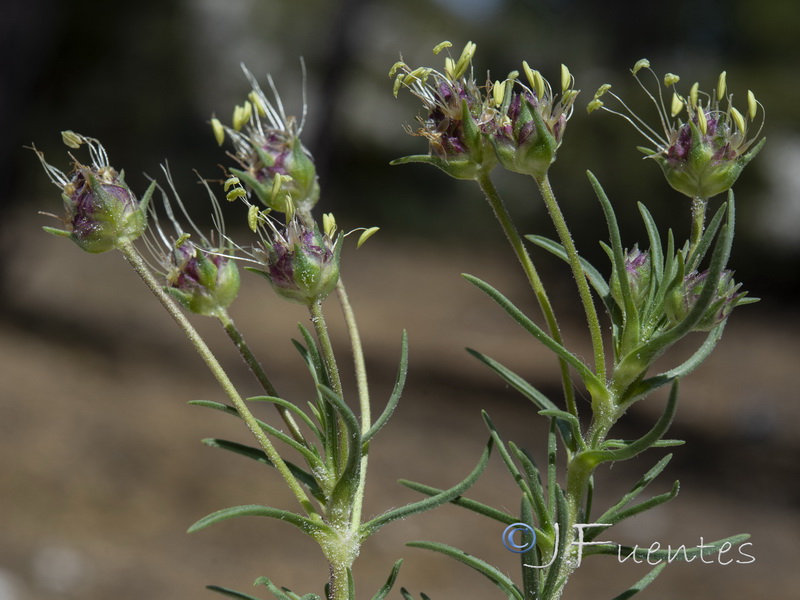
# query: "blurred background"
[[101, 471]]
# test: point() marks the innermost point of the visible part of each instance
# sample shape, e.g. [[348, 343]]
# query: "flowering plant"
[[652, 298]]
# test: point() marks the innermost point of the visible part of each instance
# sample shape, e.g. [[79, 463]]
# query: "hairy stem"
[[135, 260], [500, 211], [363, 395], [577, 271], [699, 206], [255, 367]]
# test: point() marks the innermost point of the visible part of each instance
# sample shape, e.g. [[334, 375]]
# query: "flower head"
[[299, 261], [200, 274], [458, 114], [638, 271], [101, 211], [683, 298], [530, 123], [704, 145], [274, 162]]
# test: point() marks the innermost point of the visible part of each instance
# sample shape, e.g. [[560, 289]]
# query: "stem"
[[135, 260], [500, 211], [363, 396], [257, 370], [577, 271], [321, 328], [699, 206]]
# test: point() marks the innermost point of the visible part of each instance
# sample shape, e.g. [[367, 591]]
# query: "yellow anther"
[[449, 67], [258, 103], [398, 65], [235, 194], [237, 117], [594, 105], [464, 60], [738, 119], [722, 85], [671, 79], [182, 239], [439, 47], [290, 208], [397, 84], [368, 233], [702, 123], [71, 139], [566, 79], [602, 90], [642, 63], [693, 94], [219, 130], [752, 105], [230, 182], [252, 217], [329, 224], [498, 92], [677, 105]]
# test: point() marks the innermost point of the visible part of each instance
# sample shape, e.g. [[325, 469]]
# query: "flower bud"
[[204, 282], [639, 275], [683, 297], [102, 211], [300, 262]]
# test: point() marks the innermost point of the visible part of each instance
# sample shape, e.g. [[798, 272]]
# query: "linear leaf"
[[473, 505], [256, 510], [490, 572], [387, 587], [396, 392], [642, 583], [372, 526], [230, 593]]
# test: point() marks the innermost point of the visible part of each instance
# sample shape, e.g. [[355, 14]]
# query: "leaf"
[[589, 379], [350, 471], [258, 454], [537, 501], [291, 407], [596, 457], [526, 389], [592, 274], [283, 593], [310, 456], [372, 526], [387, 587], [473, 505], [507, 460], [484, 568], [656, 249], [614, 516], [562, 517], [396, 392], [230, 593], [642, 583], [305, 524]]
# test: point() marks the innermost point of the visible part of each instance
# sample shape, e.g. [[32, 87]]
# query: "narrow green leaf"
[[290, 406], [396, 392], [473, 505], [530, 577], [588, 377], [353, 465], [387, 587], [642, 583], [656, 249], [644, 442], [539, 504], [258, 454], [562, 517], [372, 526], [484, 568], [541, 401], [311, 457], [283, 593], [507, 460], [616, 515], [593, 275], [230, 593], [305, 524]]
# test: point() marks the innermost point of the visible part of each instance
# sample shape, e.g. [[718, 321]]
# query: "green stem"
[[500, 211], [699, 206], [331, 368], [577, 271], [363, 396], [135, 260], [255, 367]]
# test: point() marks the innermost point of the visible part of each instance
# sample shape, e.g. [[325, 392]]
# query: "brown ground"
[[101, 471]]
